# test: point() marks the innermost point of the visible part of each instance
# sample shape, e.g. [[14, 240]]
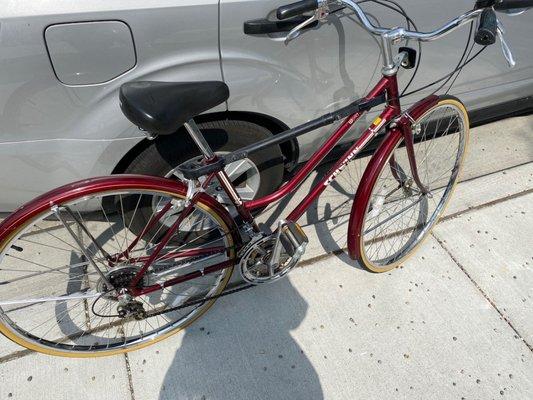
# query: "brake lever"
[[506, 50], [320, 14]]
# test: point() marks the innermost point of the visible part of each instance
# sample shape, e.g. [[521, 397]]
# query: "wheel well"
[[289, 149]]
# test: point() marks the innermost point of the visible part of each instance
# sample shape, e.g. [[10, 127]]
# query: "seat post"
[[208, 153], [199, 139]]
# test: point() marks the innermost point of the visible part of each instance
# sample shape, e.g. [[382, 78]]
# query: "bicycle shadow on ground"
[[329, 215], [243, 349]]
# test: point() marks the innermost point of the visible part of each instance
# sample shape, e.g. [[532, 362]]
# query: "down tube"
[[366, 137]]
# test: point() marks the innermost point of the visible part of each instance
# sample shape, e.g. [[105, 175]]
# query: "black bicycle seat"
[[162, 107]]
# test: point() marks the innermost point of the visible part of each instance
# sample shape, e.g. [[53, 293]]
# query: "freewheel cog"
[[120, 277]]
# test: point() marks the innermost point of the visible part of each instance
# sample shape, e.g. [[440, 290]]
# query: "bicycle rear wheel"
[[59, 253], [397, 214]]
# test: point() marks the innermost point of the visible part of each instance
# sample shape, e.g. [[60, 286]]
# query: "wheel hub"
[[119, 277]]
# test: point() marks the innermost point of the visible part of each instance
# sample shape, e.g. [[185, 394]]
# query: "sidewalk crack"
[[130, 377], [502, 315]]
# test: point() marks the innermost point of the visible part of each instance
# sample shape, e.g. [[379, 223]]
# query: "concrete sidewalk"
[[455, 322]]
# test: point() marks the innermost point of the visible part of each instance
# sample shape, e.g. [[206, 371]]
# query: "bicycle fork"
[[397, 172]]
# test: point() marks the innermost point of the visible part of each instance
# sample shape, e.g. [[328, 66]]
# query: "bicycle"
[[113, 264]]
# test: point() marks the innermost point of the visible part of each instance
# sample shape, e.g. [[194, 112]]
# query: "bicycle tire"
[[370, 205], [26, 216]]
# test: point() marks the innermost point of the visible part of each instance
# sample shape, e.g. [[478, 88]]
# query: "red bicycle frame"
[[388, 85], [398, 124], [401, 123]]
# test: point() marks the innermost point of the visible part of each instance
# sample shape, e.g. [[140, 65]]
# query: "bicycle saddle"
[[162, 107]]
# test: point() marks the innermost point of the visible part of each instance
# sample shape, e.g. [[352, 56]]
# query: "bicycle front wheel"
[[60, 253], [398, 215]]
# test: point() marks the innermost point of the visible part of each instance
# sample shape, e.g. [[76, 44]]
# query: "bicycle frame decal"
[[373, 130]]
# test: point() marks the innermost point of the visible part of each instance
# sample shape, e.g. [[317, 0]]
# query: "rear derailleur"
[[130, 308]]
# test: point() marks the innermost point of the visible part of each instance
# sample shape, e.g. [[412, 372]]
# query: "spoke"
[[82, 225], [57, 211], [125, 242], [114, 237], [72, 296], [395, 224], [61, 304]]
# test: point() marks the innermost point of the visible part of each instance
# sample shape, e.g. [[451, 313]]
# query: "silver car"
[[62, 63]]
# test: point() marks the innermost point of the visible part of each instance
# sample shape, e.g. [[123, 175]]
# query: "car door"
[[327, 67]]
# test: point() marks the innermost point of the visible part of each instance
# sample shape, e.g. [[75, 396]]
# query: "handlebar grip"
[[486, 32], [511, 4], [294, 9]]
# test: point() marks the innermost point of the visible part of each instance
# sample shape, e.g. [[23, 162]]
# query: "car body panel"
[[86, 53], [52, 133]]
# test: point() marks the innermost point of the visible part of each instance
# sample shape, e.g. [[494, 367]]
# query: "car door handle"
[[263, 25]]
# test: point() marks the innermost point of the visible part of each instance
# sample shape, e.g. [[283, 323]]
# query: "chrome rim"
[[52, 296], [398, 214]]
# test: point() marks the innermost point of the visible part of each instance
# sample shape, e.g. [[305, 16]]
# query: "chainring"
[[253, 264]]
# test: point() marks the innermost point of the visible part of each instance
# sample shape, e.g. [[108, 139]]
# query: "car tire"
[[165, 153]]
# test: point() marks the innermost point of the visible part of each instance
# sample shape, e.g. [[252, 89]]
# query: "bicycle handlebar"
[[294, 9], [301, 7], [487, 29], [489, 26], [401, 33]]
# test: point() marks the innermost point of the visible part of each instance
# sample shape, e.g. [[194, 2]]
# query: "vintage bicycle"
[[112, 264]]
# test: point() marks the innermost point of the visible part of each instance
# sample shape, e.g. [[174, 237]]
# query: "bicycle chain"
[[201, 301], [204, 300]]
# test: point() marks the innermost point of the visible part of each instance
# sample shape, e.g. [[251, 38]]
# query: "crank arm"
[[276, 252]]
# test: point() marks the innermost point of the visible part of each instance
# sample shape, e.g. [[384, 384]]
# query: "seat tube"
[[222, 177], [199, 139]]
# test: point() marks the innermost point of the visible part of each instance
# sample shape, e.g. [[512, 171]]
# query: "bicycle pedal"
[[293, 238]]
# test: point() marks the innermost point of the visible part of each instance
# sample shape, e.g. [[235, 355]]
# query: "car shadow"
[[243, 349]]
